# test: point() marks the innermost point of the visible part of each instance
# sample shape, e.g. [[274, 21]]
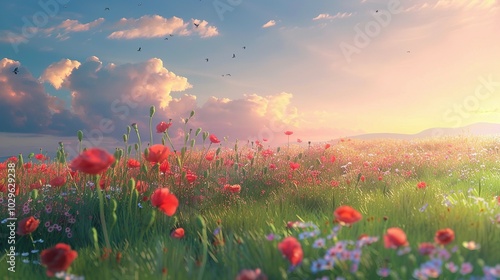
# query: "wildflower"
[[319, 243], [294, 166], [288, 132], [292, 250], [214, 139], [162, 126], [27, 225], [426, 248], [177, 233], [383, 272], [466, 268], [451, 266], [421, 185], [444, 236], [92, 161], [132, 163], [164, 167], [232, 188], [249, 274], [57, 258], [191, 177], [394, 238], [327, 146], [210, 156], [165, 201], [157, 154], [471, 245], [347, 215]]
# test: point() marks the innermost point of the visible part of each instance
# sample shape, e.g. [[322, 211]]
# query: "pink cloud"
[[158, 26], [269, 24], [328, 16]]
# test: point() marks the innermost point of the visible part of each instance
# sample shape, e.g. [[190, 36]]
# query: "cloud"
[[328, 16], [121, 93], [57, 72], [26, 107], [269, 24], [158, 26], [70, 26]]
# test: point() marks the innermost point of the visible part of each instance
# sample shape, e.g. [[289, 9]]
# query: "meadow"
[[349, 209]]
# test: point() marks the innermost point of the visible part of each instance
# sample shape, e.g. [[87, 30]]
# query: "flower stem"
[[101, 213]]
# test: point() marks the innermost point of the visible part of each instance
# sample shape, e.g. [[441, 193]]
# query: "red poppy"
[[232, 188], [444, 236], [157, 154], [327, 146], [394, 238], [165, 201], [288, 132], [27, 225], [249, 274], [292, 250], [214, 139], [58, 181], [210, 156], [58, 258], [162, 127], [177, 233], [347, 215], [141, 186], [133, 163], [362, 178], [421, 185], [164, 167], [92, 161], [191, 177], [294, 165], [40, 157]]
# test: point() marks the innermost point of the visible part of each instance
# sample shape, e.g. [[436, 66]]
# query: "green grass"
[[268, 200]]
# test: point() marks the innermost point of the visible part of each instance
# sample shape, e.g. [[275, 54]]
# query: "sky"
[[249, 69]]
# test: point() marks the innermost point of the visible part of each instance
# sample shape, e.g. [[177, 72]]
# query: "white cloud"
[[57, 72], [328, 16]]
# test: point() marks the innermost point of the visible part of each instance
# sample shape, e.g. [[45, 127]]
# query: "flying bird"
[[244, 47], [196, 24], [166, 38], [206, 59], [106, 9], [234, 55], [16, 70], [139, 49], [376, 11]]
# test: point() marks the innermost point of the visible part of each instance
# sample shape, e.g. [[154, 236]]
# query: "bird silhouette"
[[244, 47], [139, 49], [196, 24], [407, 51], [376, 11], [106, 9], [166, 38], [206, 59], [16, 70], [234, 55]]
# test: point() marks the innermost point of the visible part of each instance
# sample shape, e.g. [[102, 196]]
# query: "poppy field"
[[208, 209]]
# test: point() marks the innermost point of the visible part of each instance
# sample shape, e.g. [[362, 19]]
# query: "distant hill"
[[477, 129]]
